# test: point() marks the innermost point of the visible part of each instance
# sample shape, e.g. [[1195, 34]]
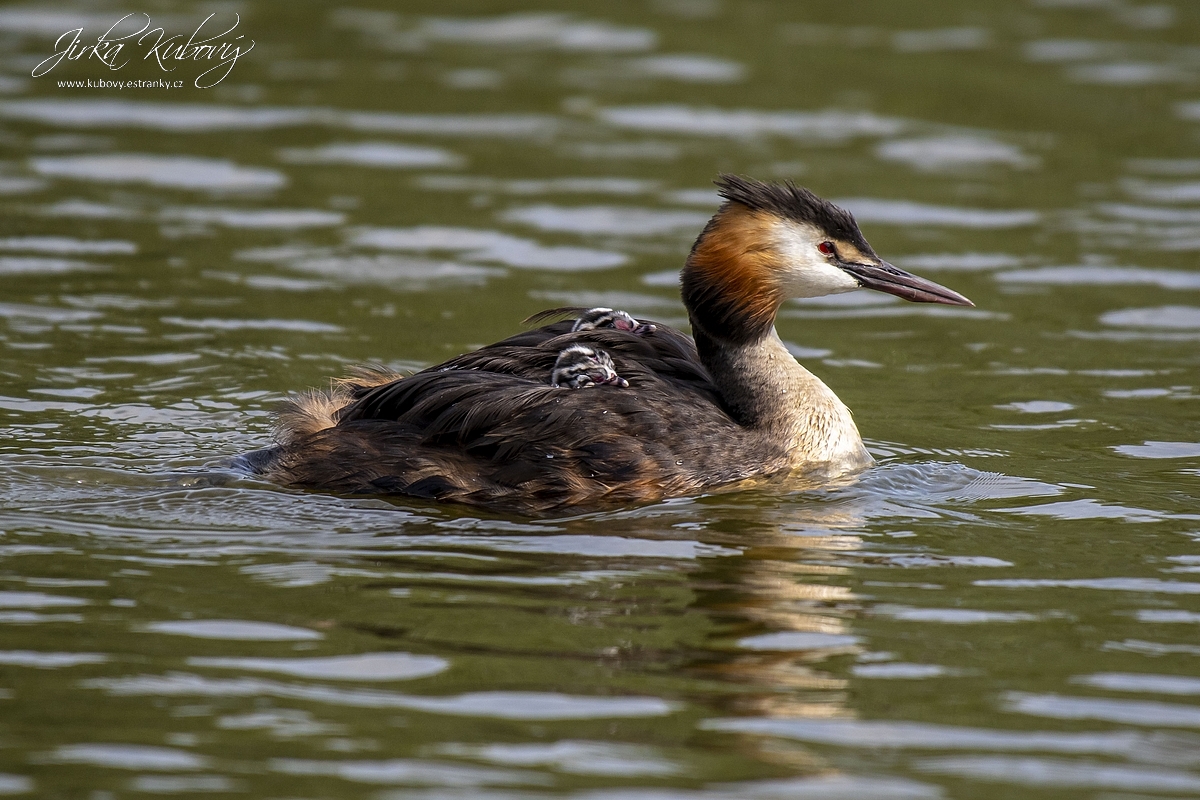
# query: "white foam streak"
[[211, 117], [827, 126], [498, 705], [168, 172], [361, 667]]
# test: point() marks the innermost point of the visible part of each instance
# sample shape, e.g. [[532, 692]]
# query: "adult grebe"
[[488, 428]]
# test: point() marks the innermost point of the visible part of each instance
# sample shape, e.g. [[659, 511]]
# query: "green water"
[[1005, 607]]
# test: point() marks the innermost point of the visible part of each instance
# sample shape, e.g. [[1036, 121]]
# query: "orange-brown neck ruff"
[[730, 283]]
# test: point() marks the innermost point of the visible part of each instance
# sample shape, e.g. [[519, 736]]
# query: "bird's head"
[[771, 242]]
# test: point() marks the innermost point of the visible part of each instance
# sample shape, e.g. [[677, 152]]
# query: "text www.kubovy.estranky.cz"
[[97, 83]]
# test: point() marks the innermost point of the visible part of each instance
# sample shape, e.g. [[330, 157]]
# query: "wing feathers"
[[487, 428]]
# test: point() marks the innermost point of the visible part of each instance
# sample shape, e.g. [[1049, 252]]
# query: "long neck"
[[781, 402]]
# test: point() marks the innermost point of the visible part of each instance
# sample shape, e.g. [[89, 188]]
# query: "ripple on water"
[[838, 786], [38, 600], [950, 616], [211, 117], [411, 272], [530, 30], [1167, 615], [571, 756], [1036, 407], [233, 629], [222, 324], [1064, 773], [1063, 50], [43, 660], [1168, 317], [1149, 585], [927, 560], [1160, 450], [27, 19], [688, 67], [521, 126], [667, 278], [1151, 648], [1088, 509], [900, 671], [1173, 216], [854, 299], [936, 40], [270, 282], [940, 481], [182, 784], [408, 771], [1141, 682], [948, 153], [1142, 227], [964, 262], [707, 198], [253, 218], [581, 545], [85, 209], [125, 756], [904, 212], [389, 666], [180, 117], [788, 641], [497, 705], [35, 618], [646, 150], [1126, 73], [66, 245], [613, 220], [830, 125], [682, 67], [1162, 166], [372, 154], [1162, 191], [1128, 712], [1103, 276], [171, 172], [629, 301], [30, 265], [15, 784], [471, 183], [282, 723], [800, 351], [10, 185], [924, 736], [475, 244], [888, 309]]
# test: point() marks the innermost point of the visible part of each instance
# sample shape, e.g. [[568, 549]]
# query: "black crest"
[[793, 202]]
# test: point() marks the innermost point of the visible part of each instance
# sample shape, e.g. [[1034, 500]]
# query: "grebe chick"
[[594, 318], [726, 404], [590, 319], [580, 366]]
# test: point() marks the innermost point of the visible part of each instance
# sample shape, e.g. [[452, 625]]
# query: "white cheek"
[[817, 280], [808, 274]]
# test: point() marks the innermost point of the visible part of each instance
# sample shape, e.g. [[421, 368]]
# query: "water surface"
[[1005, 607]]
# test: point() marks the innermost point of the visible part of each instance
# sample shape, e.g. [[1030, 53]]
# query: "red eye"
[[826, 248]]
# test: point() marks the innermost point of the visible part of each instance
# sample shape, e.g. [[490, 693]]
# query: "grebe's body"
[[677, 416]]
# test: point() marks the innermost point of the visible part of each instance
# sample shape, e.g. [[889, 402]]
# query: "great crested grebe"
[[671, 416]]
